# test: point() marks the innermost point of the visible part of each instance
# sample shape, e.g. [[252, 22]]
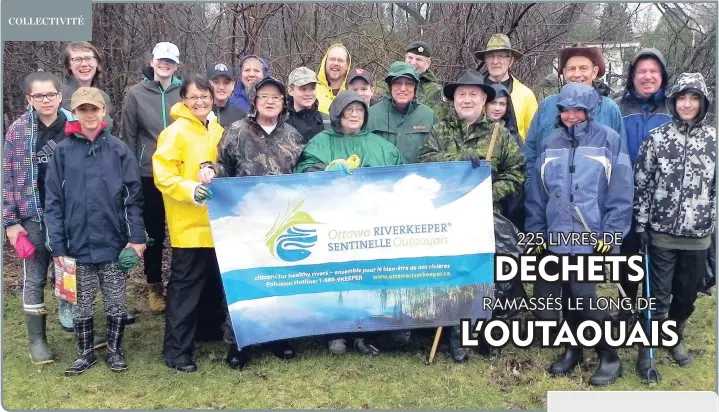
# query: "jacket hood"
[[642, 53], [322, 74], [344, 99], [399, 69], [510, 120], [577, 96], [263, 62], [689, 82], [149, 76], [253, 93], [73, 128]]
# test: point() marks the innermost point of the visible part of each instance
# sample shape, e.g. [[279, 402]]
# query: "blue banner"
[[384, 248]]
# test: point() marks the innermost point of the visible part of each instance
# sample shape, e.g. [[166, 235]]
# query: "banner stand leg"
[[434, 345]]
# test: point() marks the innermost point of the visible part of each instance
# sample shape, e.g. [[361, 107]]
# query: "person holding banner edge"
[[259, 145]]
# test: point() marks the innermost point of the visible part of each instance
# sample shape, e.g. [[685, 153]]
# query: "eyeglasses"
[[194, 99], [86, 59], [498, 56], [266, 98], [351, 110], [40, 97]]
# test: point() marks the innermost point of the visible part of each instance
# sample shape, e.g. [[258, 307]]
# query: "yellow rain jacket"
[[181, 148], [324, 91], [524, 104]]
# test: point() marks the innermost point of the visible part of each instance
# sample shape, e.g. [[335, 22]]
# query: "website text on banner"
[[384, 248]]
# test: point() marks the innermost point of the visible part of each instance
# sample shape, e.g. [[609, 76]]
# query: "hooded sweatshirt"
[[643, 114], [584, 167], [324, 90], [524, 103], [228, 114], [309, 122], [145, 113], [509, 119], [675, 172], [239, 96], [93, 200], [246, 149], [71, 85], [407, 130], [335, 144]]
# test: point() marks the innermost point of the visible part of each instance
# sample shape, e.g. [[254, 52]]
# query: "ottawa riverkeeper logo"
[[288, 240]]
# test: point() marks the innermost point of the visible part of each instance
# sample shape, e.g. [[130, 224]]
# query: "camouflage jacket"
[[247, 150], [675, 171], [430, 90], [451, 138]]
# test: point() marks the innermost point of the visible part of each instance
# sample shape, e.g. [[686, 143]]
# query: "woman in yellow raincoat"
[[195, 285]]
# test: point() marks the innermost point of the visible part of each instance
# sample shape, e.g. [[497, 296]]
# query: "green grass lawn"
[[316, 379]]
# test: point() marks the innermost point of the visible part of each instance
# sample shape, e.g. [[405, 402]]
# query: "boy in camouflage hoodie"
[[674, 203]]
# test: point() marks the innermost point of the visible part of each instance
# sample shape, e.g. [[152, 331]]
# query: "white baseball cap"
[[166, 50]]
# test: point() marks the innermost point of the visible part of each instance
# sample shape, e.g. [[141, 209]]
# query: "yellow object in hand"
[[353, 161]]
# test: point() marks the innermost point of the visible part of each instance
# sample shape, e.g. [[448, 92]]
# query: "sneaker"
[[338, 346]]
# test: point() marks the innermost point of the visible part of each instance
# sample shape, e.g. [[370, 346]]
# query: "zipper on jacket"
[[681, 187], [571, 171], [162, 99], [139, 160], [33, 184]]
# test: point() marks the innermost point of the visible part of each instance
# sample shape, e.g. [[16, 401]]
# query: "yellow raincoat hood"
[[324, 91], [181, 148]]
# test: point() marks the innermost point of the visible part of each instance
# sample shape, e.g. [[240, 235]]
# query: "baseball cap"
[[357, 73], [219, 69], [302, 76], [87, 95], [166, 50]]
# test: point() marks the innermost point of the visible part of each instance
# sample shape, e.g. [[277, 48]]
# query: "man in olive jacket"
[[400, 118]]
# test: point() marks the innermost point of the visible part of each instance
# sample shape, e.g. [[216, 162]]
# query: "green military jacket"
[[451, 138], [430, 90], [408, 131]]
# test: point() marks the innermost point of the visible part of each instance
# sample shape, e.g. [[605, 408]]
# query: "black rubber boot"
[[115, 332], [236, 359], [40, 352], [572, 356], [459, 354], [283, 350], [609, 369], [679, 353], [85, 352]]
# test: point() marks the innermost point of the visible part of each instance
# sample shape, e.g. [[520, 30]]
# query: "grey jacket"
[[145, 113]]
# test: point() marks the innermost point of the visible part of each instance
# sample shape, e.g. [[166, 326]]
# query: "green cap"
[[401, 69]]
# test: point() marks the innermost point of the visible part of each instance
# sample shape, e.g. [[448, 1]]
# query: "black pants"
[[195, 301], [153, 214], [630, 245], [674, 279]]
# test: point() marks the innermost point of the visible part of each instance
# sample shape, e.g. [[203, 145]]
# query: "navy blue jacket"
[[93, 199], [583, 168]]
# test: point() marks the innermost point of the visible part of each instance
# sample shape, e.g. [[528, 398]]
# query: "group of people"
[[642, 165]]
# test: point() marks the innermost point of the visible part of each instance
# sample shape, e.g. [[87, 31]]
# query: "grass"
[[514, 380]]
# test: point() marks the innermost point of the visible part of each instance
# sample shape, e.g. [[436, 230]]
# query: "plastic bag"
[[24, 247]]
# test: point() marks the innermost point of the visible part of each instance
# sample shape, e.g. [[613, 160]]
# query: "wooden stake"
[[493, 141], [434, 345]]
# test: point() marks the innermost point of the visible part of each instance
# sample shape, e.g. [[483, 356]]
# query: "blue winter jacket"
[[239, 96], [585, 166], [643, 114], [93, 198], [543, 124]]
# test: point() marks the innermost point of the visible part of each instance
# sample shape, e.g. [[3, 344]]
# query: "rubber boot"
[[156, 296], [572, 356], [115, 332], [85, 352], [40, 352], [236, 359], [459, 354], [679, 353], [283, 350], [609, 369]]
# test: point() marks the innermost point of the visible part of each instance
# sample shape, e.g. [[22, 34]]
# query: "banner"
[[384, 248]]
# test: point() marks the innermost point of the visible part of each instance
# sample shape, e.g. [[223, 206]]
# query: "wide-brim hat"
[[469, 78], [496, 43], [592, 53]]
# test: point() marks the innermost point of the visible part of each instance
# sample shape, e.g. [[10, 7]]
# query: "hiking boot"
[[609, 369], [679, 353], [182, 364], [156, 297], [85, 355], [40, 352], [338, 346], [115, 332], [283, 350], [236, 359], [573, 356]]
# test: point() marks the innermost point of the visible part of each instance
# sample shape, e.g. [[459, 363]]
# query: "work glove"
[[470, 157], [128, 259], [602, 248], [203, 193], [339, 165], [539, 249], [644, 239]]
